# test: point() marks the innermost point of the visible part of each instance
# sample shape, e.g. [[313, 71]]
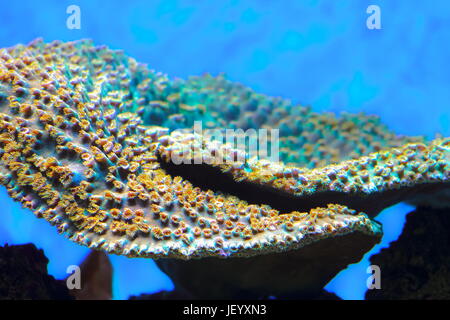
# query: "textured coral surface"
[[87, 136]]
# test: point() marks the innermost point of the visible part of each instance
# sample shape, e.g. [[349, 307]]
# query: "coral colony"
[[101, 147]]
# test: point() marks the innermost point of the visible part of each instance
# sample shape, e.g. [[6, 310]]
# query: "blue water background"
[[317, 53]]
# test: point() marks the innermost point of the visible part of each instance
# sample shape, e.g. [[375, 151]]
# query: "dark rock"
[[164, 295], [96, 278], [23, 275], [417, 265], [179, 294]]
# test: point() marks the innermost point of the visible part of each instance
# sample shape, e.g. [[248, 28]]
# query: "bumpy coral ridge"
[[85, 133]]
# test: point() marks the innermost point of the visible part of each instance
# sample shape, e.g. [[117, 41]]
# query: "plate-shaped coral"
[[89, 139]]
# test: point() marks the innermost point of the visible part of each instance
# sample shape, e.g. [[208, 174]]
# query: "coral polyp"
[[87, 135]]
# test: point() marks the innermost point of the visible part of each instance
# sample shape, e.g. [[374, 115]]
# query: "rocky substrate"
[[417, 265], [23, 275]]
